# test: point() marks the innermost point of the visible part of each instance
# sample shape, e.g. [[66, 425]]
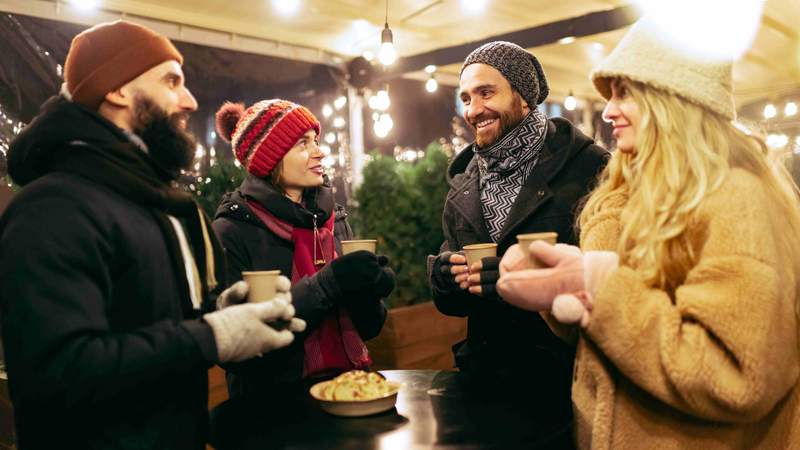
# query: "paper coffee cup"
[[369, 245], [476, 252], [525, 241], [263, 284]]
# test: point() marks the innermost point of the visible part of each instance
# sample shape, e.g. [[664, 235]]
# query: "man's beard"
[[170, 146], [509, 119]]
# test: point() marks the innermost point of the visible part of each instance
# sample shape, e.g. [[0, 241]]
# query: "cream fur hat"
[[645, 56]]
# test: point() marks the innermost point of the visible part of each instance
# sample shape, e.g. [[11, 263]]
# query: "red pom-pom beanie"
[[262, 134]]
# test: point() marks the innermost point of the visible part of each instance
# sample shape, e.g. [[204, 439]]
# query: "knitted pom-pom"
[[227, 118], [567, 308]]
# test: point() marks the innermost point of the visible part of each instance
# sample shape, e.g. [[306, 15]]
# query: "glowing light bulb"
[[570, 103], [770, 111], [790, 109], [340, 102], [387, 55], [286, 8], [86, 4], [431, 85]]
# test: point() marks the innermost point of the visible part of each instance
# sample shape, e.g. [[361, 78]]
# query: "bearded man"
[[107, 267], [524, 173]]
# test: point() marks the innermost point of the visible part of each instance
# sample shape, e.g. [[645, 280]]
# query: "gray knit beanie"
[[520, 68]]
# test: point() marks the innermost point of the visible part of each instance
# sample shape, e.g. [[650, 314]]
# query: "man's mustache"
[[484, 116], [179, 116]]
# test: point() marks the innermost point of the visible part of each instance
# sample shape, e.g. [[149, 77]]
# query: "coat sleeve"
[[724, 346], [369, 315], [56, 289], [237, 259], [451, 302], [308, 298]]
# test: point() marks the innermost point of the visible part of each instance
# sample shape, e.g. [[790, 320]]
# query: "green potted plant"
[[400, 204]]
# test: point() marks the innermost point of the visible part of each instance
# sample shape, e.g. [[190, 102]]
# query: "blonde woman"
[[687, 273]]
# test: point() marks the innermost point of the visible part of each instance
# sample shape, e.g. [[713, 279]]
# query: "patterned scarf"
[[505, 165]]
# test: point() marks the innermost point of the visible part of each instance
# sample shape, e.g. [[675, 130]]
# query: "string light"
[[387, 54], [431, 85], [383, 125], [570, 103], [770, 111], [777, 140], [380, 101], [790, 109]]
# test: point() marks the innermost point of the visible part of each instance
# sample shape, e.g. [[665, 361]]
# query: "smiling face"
[[301, 167], [491, 107], [623, 113]]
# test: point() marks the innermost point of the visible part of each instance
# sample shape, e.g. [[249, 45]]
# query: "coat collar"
[[465, 197], [562, 143], [318, 201]]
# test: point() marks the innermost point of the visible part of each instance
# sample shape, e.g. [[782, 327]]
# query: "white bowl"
[[355, 408]]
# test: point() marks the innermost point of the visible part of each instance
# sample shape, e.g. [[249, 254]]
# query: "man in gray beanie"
[[524, 173]]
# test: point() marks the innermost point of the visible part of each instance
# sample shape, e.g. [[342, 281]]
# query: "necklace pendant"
[[319, 262]]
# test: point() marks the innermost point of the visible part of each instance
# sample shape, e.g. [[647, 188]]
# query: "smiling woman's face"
[[624, 115], [302, 165]]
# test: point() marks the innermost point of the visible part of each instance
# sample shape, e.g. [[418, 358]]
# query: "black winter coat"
[[250, 245], [502, 340], [101, 350]]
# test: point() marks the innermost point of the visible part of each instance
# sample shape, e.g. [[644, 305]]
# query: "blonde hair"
[[683, 153]]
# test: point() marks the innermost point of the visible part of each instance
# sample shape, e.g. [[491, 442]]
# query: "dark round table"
[[434, 410]]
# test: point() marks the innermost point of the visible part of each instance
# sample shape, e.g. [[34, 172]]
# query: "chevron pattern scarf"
[[504, 166]]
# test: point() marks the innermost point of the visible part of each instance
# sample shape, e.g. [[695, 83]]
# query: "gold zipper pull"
[[318, 261]]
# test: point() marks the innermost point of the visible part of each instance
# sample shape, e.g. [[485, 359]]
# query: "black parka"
[[250, 245], [101, 349], [502, 340]]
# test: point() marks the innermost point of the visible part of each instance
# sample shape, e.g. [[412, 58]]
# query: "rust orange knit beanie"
[[109, 55]]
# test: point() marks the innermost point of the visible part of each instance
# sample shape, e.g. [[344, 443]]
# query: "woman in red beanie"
[[283, 217]]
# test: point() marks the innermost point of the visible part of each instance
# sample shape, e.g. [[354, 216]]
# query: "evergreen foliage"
[[400, 204]]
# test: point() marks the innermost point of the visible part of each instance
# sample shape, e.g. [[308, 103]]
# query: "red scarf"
[[335, 345]]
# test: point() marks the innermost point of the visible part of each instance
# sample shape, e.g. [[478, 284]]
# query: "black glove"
[[490, 273], [359, 273], [384, 285], [442, 279]]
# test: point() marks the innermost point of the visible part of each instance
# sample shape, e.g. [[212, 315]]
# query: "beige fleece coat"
[[717, 366]]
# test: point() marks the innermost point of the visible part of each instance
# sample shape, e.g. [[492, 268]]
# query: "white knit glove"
[[238, 293], [241, 331]]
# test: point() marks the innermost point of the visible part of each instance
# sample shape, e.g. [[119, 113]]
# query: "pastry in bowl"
[[356, 393]]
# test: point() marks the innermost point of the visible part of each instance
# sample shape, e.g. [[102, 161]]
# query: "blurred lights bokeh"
[[704, 32]]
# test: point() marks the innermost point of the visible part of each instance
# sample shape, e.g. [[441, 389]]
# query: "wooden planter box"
[[417, 337]]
